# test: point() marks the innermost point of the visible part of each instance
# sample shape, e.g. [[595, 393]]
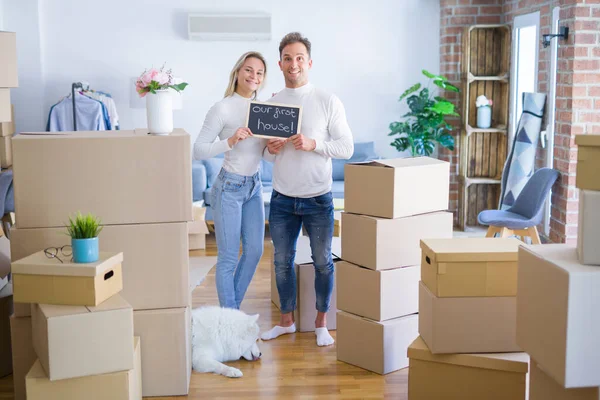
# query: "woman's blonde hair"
[[233, 76]]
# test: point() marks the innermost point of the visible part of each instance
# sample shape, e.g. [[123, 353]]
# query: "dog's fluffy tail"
[[203, 364]]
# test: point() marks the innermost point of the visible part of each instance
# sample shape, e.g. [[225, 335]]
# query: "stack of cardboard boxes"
[[390, 205], [139, 185], [8, 79]]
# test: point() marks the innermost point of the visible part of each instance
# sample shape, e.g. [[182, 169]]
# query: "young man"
[[302, 184]]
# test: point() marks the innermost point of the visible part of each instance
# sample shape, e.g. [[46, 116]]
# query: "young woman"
[[237, 199]]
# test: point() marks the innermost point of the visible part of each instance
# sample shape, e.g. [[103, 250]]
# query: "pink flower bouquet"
[[156, 79]]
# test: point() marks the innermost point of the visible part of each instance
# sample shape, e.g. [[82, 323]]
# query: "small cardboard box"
[[543, 387], [477, 267], [588, 236], [6, 310], [588, 161], [379, 188], [467, 324], [4, 256], [375, 346], [23, 354], [166, 350], [500, 376], [137, 178], [8, 128], [8, 66], [384, 295], [383, 243], [558, 322], [5, 151], [124, 385], [197, 241], [40, 279], [5, 115], [22, 310], [75, 341], [155, 259]]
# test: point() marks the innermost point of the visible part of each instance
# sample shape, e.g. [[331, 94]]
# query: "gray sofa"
[[204, 172]]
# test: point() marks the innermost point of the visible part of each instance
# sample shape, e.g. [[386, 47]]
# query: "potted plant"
[[157, 85], [425, 123], [84, 231]]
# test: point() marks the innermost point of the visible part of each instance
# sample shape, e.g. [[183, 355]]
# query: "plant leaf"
[[428, 74], [446, 140], [410, 90], [442, 107]]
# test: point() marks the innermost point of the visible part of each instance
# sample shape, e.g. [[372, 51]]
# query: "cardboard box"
[[22, 310], [379, 188], [6, 310], [500, 376], [4, 256], [557, 313], [588, 161], [137, 178], [197, 241], [375, 346], [470, 267], [155, 259], [382, 243], [8, 128], [588, 228], [8, 66], [197, 227], [543, 387], [40, 279], [23, 354], [384, 295], [5, 115], [76, 341], [5, 151], [166, 350], [124, 385], [467, 324]]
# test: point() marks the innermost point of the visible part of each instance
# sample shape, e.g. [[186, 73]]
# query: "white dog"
[[223, 334]]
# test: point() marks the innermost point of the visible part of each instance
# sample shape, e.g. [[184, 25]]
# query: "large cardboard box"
[[22, 310], [8, 128], [23, 354], [136, 177], [500, 376], [41, 279], [6, 310], [467, 324], [375, 346], [124, 385], [76, 341], [166, 350], [383, 295], [588, 161], [379, 188], [543, 387], [383, 243], [8, 66], [464, 267], [155, 259], [558, 322], [5, 115], [5, 151], [588, 236]]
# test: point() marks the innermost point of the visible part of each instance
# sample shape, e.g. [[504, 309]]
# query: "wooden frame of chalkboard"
[[281, 120]]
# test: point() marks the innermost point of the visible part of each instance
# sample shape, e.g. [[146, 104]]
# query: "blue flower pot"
[[85, 250]]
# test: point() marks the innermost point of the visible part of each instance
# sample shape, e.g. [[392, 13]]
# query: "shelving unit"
[[483, 152]]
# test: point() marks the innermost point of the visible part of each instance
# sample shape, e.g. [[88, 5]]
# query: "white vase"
[[159, 112], [484, 117]]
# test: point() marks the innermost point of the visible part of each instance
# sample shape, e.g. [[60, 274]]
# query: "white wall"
[[367, 53]]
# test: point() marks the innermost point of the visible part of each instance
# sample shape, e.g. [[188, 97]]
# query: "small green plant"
[[425, 123], [84, 226]]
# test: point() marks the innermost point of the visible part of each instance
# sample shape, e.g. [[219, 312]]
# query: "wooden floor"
[[292, 366]]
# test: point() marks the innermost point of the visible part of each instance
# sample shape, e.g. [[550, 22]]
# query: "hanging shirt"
[[109, 103], [91, 115]]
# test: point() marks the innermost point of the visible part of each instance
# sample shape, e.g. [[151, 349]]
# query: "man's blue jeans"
[[238, 212], [287, 215]]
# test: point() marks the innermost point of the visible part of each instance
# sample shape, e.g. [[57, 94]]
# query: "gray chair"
[[522, 218]]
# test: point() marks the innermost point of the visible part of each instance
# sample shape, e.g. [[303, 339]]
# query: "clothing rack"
[[75, 85]]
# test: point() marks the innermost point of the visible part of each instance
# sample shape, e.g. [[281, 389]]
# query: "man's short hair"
[[294, 37]]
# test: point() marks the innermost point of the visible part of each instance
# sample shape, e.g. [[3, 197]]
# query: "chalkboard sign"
[[270, 120]]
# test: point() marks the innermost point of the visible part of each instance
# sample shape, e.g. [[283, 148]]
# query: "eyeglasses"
[[52, 252]]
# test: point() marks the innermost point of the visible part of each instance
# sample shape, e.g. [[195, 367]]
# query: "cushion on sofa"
[[198, 180], [213, 166], [363, 151]]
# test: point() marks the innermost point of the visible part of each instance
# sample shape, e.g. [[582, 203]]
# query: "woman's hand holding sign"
[[275, 145], [240, 134]]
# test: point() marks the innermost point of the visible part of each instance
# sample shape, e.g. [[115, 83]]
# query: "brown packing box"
[[23, 354], [76, 341], [8, 128], [124, 385], [543, 387], [8, 66], [137, 178], [155, 259], [5, 115], [40, 279], [588, 161], [4, 256], [6, 309], [384, 295], [375, 346], [197, 241], [467, 324], [383, 243], [166, 350], [5, 151], [588, 236], [557, 313], [500, 376], [22, 310], [464, 267], [379, 188]]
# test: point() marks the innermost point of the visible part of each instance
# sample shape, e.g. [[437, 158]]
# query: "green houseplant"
[[84, 231], [425, 123]]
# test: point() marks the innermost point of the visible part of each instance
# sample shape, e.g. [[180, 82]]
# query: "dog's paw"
[[231, 372]]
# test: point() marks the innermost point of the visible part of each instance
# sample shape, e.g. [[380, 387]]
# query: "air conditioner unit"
[[229, 26]]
